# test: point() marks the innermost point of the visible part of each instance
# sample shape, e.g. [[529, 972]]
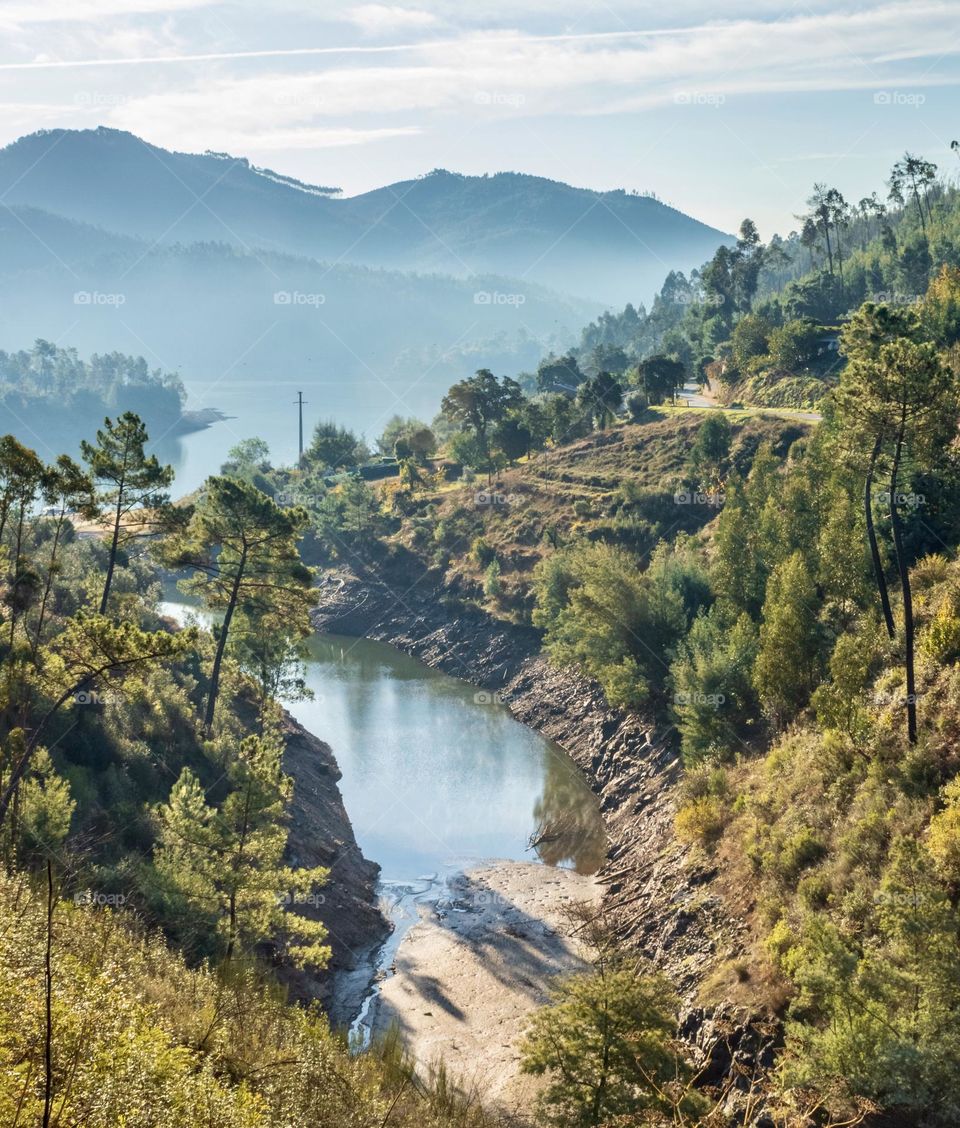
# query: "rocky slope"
[[321, 835], [658, 897]]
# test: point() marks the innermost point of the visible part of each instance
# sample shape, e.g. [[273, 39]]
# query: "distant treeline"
[[51, 393]]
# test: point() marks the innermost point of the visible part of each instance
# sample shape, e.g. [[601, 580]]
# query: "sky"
[[721, 110]]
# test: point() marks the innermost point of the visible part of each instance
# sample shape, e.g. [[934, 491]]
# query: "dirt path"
[[468, 975]]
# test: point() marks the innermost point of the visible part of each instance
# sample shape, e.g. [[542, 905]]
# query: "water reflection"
[[568, 830], [432, 779]]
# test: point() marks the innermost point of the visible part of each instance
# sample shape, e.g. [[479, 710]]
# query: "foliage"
[[241, 549], [714, 698], [334, 447], [603, 1043], [134, 487], [139, 1038], [221, 868], [619, 624]]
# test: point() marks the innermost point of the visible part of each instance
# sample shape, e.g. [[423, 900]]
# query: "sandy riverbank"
[[480, 959]]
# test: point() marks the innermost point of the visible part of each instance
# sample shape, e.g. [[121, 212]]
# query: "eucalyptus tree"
[[913, 176], [821, 217]]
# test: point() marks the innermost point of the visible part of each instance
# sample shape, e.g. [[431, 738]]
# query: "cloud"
[[382, 19], [358, 94], [22, 13]]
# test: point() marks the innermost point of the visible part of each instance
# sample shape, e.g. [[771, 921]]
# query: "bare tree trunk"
[[48, 981], [904, 571], [880, 578], [111, 563], [221, 646]]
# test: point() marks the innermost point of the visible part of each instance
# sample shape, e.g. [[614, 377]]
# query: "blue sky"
[[721, 110]]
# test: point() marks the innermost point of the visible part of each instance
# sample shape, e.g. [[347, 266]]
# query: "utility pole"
[[300, 401]]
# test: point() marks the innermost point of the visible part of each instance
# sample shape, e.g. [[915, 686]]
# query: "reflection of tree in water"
[[568, 828]]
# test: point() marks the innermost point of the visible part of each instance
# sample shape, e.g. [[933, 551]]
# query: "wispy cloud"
[[302, 76], [383, 19]]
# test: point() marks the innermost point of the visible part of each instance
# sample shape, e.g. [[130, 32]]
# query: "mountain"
[[610, 247], [245, 331]]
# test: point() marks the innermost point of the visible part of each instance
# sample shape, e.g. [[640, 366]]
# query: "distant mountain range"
[[606, 247], [252, 285]]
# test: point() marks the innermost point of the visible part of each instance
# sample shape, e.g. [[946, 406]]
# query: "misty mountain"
[[246, 330], [610, 247]]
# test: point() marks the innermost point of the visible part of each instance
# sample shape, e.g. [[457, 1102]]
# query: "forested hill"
[[758, 320], [52, 398], [609, 247]]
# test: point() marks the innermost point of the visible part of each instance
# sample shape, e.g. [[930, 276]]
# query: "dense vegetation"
[[778, 594], [50, 396], [784, 595], [147, 900]]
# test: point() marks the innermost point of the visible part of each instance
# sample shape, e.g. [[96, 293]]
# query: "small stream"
[[437, 776]]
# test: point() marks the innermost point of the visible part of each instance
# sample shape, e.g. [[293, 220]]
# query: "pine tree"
[[224, 865], [243, 552], [133, 484], [787, 664]]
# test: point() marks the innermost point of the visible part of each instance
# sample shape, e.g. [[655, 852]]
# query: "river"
[[437, 776]]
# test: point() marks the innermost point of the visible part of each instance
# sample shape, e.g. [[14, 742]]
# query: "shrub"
[[482, 552], [605, 1045], [941, 638], [943, 840], [701, 822], [637, 406]]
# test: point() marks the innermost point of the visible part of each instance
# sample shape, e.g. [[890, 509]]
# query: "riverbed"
[[439, 779]]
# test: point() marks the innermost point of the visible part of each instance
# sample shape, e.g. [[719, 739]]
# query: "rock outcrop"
[[321, 835]]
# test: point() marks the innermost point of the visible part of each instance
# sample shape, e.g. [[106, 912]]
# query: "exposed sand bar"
[[481, 957]]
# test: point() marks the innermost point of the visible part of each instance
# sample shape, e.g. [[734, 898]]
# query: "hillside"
[[361, 342], [606, 247]]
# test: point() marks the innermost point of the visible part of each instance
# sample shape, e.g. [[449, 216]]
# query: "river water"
[[437, 776]]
